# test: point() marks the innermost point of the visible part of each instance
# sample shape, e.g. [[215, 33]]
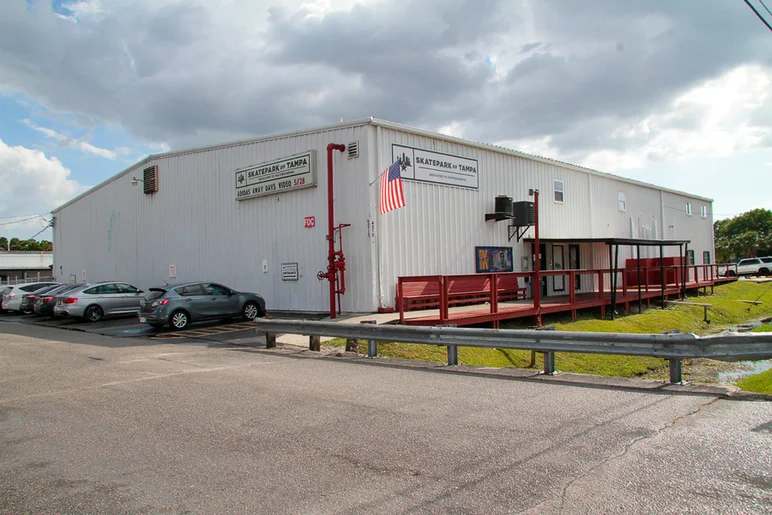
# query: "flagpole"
[[376, 213]]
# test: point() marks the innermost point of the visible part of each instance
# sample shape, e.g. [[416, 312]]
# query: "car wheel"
[[730, 273], [179, 320], [763, 271], [94, 313], [251, 311]]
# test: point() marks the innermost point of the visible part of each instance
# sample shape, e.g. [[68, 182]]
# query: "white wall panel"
[[194, 222], [437, 232]]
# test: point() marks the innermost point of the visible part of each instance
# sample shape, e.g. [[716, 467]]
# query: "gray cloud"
[[189, 73]]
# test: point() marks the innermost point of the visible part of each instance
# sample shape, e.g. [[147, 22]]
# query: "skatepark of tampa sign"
[[286, 174]]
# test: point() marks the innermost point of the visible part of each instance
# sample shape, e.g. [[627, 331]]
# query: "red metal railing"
[[444, 291]]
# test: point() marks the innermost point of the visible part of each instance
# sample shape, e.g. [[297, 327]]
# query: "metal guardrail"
[[673, 347]]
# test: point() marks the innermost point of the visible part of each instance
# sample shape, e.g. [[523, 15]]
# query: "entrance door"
[[558, 281], [542, 265], [573, 263]]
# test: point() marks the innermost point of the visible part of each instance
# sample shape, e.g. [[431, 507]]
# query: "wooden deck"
[[486, 307]]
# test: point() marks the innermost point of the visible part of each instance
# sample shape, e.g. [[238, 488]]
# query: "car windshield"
[[155, 293]]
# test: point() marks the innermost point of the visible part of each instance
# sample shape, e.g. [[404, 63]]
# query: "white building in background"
[[253, 215], [19, 266]]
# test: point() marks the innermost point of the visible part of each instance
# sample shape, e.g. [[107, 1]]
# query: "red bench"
[[424, 292], [510, 289]]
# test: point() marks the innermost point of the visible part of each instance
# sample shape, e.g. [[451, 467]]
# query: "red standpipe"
[[335, 260]]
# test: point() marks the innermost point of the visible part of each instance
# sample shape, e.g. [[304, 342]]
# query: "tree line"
[[746, 235], [29, 245]]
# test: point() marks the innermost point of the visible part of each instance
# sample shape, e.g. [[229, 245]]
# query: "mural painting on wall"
[[493, 259]]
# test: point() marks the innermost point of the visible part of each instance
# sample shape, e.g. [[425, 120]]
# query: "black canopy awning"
[[614, 260], [614, 241]]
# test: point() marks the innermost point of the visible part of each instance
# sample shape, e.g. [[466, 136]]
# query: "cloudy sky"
[[674, 92]]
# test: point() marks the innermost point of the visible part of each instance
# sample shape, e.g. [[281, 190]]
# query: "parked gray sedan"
[[94, 301], [179, 305]]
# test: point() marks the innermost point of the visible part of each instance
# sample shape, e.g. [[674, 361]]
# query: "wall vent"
[[150, 179], [353, 150]]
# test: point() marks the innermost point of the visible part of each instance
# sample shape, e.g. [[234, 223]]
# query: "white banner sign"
[[287, 174], [428, 166]]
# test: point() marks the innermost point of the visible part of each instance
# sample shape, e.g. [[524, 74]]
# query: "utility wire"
[[765, 22], [765, 7], [20, 221], [43, 229]]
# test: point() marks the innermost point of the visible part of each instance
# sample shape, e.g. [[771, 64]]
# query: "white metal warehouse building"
[[253, 215]]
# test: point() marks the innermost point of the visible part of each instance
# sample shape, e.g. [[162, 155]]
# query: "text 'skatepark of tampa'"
[[296, 217]]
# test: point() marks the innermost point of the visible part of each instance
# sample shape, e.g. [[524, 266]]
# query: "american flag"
[[392, 196]]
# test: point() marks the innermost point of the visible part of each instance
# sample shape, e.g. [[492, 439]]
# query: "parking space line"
[[201, 333]]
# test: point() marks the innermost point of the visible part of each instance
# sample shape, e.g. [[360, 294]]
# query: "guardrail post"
[[675, 372], [270, 340], [452, 354], [372, 345], [315, 343], [549, 363]]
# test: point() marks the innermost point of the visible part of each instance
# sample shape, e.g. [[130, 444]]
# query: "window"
[[216, 289], [126, 288], [689, 257], [190, 290], [107, 289], [705, 257], [621, 202], [557, 187], [703, 212], [688, 209]]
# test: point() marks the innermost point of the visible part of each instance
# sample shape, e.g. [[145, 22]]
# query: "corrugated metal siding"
[[195, 223], [679, 225], [438, 229]]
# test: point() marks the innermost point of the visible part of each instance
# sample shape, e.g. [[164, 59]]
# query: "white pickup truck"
[[752, 266]]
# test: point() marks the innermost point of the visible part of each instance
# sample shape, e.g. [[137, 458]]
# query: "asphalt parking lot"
[[91, 423], [129, 327]]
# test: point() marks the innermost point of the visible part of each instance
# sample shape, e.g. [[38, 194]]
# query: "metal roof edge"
[[503, 150], [164, 155], [382, 123]]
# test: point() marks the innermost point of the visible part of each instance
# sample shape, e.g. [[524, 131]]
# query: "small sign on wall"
[[494, 259], [289, 272], [309, 222], [172, 271], [83, 276]]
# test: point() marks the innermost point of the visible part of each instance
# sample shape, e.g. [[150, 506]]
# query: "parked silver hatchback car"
[[95, 301], [180, 305]]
